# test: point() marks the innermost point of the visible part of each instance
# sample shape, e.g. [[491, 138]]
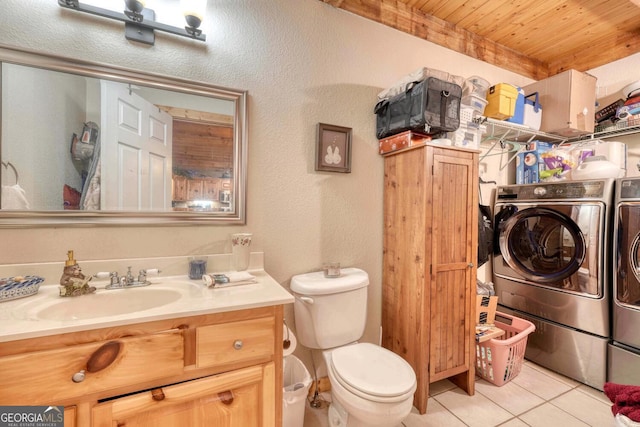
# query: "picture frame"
[[333, 148]]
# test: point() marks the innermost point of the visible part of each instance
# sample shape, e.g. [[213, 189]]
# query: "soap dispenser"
[[73, 282]]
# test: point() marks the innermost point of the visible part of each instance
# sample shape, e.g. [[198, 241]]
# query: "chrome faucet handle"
[[113, 278], [142, 276], [129, 276]]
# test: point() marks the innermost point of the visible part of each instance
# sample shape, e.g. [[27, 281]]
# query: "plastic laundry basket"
[[499, 360], [296, 387]]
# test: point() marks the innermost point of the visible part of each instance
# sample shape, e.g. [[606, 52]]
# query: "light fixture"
[[139, 21]]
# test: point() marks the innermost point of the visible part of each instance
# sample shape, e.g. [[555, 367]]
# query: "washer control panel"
[[560, 190]]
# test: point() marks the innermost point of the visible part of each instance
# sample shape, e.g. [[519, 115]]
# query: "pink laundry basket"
[[499, 360]]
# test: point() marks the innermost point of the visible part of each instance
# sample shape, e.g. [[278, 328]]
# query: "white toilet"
[[370, 385]]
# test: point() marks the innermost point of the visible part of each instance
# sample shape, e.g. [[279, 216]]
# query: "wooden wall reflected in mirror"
[[202, 160]]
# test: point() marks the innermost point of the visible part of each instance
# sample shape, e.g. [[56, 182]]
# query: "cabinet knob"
[[78, 377], [237, 344], [470, 265]]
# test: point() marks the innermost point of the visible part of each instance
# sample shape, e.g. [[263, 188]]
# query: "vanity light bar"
[[140, 26]]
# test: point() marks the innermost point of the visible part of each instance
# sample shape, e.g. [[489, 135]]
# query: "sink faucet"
[[129, 280]]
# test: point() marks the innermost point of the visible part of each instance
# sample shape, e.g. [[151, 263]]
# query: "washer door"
[[627, 279], [542, 244]]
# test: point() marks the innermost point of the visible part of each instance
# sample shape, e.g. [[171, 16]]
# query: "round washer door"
[[542, 244], [373, 370]]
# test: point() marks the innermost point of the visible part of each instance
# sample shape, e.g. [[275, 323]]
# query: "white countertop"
[[18, 318]]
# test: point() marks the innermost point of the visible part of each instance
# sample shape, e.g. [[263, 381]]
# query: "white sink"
[[108, 303]]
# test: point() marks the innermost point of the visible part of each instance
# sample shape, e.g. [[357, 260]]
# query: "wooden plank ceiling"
[[534, 38]]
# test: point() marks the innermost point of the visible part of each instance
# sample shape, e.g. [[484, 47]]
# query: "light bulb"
[[135, 5], [193, 11]]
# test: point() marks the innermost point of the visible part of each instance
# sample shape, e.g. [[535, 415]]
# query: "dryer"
[[550, 267], [624, 351]]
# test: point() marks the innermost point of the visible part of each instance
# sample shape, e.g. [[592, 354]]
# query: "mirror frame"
[[30, 219]]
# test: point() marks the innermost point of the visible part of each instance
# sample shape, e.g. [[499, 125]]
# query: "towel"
[[14, 197], [225, 280], [625, 399]]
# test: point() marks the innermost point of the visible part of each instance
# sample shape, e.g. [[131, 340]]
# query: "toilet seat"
[[373, 373]]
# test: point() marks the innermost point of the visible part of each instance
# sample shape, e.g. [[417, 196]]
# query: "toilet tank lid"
[[316, 284]]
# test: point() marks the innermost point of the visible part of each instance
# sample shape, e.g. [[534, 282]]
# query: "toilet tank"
[[330, 312]]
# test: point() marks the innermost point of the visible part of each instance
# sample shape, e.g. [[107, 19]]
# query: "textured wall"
[[303, 62]]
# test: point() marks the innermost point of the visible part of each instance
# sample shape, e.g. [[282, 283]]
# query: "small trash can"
[[296, 388]]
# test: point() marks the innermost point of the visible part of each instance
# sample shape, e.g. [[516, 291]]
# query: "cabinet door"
[[70, 416], [240, 398], [179, 188], [210, 188], [194, 189], [453, 241]]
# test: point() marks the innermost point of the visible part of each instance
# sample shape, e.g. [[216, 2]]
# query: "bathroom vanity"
[[213, 354]]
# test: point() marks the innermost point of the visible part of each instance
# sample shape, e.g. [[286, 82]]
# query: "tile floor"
[[536, 397]]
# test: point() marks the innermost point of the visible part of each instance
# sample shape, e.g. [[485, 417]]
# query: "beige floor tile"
[[515, 423], [539, 383], [440, 387], [584, 407], [474, 411], [594, 393], [436, 416], [549, 415], [315, 417], [510, 396], [566, 380]]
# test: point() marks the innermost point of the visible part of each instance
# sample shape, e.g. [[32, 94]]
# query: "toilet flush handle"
[[308, 300]]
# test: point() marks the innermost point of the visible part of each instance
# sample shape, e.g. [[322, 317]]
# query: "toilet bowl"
[[370, 385]]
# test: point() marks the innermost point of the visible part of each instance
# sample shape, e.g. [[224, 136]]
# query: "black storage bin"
[[428, 106]]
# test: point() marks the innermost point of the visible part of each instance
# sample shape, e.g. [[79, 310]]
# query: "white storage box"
[[475, 102], [467, 136]]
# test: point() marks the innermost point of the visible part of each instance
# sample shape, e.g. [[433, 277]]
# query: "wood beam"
[[398, 15]]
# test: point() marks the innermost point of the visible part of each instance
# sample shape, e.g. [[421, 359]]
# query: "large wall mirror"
[[84, 143]]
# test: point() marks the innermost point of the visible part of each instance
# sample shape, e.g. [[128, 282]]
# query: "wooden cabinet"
[[102, 365], [70, 416], [233, 399], [211, 188], [224, 368], [195, 189], [185, 189], [179, 188], [429, 263]]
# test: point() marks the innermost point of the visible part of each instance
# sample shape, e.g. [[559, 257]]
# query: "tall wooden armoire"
[[429, 263]]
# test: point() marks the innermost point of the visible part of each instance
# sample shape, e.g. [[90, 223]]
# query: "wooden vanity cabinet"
[[429, 263], [234, 399], [224, 368]]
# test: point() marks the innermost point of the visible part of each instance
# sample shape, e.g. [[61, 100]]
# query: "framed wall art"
[[333, 149]]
